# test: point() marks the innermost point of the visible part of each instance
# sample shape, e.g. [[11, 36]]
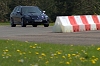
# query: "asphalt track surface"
[[45, 35]]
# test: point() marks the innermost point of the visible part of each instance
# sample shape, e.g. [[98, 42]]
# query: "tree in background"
[[53, 8], [86, 7], [4, 10], [48, 6]]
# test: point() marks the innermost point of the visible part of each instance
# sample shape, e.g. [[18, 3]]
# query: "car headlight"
[[46, 17], [43, 17]]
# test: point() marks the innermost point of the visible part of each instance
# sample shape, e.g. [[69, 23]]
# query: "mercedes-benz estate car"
[[28, 15]]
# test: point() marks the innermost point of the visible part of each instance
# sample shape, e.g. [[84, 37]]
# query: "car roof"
[[28, 6]]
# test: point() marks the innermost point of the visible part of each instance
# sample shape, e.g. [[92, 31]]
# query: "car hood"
[[35, 14]]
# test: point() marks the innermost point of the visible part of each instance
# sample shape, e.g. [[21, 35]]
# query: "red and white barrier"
[[77, 23]]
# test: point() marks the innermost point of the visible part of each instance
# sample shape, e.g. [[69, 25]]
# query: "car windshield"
[[26, 10]]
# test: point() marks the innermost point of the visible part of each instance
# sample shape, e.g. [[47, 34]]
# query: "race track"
[[45, 34]]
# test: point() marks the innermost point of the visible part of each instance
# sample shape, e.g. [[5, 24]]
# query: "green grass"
[[17, 53], [5, 23], [52, 24]]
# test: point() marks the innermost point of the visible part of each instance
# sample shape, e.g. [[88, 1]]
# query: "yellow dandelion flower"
[[40, 57], [61, 62], [93, 62], [21, 60], [24, 53], [43, 54], [36, 53], [21, 53], [30, 52], [73, 54], [98, 49], [69, 55], [67, 62], [3, 55], [35, 44], [47, 62], [58, 53], [86, 53], [34, 47], [77, 56], [82, 58], [9, 55], [96, 59], [93, 56], [56, 57], [55, 54], [6, 50], [51, 57], [63, 57], [31, 46], [18, 60], [18, 50], [70, 58]]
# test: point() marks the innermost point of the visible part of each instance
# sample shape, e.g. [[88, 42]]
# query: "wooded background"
[[53, 8]]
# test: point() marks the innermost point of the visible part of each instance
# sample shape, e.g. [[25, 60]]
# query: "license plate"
[[38, 20]]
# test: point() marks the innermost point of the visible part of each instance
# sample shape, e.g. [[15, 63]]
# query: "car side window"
[[19, 9], [15, 9]]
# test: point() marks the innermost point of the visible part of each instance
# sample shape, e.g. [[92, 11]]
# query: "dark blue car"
[[28, 15]]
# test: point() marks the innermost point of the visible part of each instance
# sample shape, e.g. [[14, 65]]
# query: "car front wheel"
[[23, 23]]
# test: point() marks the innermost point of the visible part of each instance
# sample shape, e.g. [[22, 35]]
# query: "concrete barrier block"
[[77, 23]]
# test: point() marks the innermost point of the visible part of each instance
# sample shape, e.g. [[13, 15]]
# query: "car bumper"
[[36, 22]]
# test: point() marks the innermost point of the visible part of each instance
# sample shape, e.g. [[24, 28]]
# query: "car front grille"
[[34, 17], [37, 17]]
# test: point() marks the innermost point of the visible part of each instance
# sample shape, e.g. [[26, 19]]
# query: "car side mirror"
[[43, 11], [18, 12]]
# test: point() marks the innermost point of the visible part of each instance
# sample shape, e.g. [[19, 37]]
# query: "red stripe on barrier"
[[96, 21], [85, 22], [74, 23]]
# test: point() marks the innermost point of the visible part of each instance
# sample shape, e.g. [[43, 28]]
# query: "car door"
[[19, 15], [13, 14]]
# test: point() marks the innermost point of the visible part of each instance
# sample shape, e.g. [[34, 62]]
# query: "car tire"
[[46, 25], [23, 23], [34, 25], [12, 23]]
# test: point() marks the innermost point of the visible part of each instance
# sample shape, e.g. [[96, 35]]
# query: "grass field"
[[16, 53], [6, 23]]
